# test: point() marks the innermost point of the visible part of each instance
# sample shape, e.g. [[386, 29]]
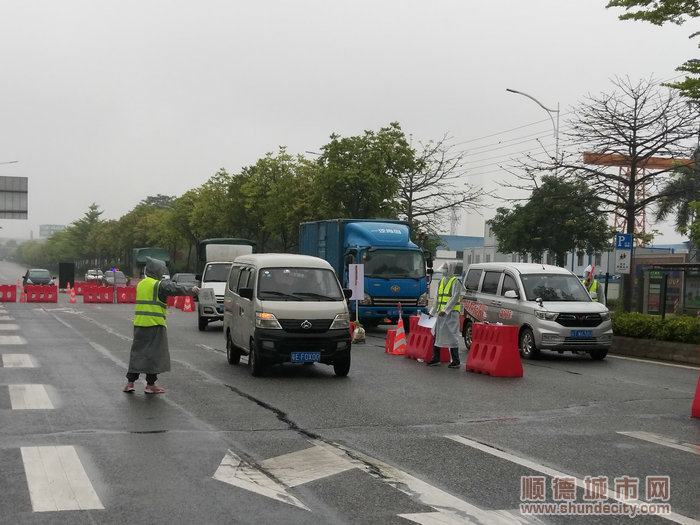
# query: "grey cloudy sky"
[[109, 102]]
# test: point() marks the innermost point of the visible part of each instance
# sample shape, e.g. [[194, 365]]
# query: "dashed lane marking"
[[29, 397], [663, 440], [57, 480], [6, 327], [17, 361], [537, 467]]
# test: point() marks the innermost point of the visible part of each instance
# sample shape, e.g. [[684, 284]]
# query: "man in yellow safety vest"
[[592, 284]]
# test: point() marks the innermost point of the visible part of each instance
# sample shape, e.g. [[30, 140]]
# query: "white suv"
[[549, 305]]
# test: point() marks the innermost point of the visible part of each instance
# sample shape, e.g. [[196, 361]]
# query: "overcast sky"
[[110, 102]]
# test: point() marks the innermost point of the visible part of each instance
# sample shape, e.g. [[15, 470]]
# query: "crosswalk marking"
[[6, 327], [662, 440], [305, 466], [17, 361], [57, 480], [29, 397], [12, 340]]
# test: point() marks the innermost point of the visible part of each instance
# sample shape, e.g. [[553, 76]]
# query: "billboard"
[[13, 197]]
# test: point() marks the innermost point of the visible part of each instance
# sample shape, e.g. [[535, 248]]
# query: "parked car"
[[110, 276], [188, 279], [549, 305], [38, 276], [94, 276]]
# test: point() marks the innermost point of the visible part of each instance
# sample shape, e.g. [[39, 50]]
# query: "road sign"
[[623, 252]]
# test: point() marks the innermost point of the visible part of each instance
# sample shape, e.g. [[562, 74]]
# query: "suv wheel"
[[233, 354], [597, 355], [202, 323], [527, 344], [467, 334]]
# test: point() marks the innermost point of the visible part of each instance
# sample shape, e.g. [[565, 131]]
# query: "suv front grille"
[[579, 320]]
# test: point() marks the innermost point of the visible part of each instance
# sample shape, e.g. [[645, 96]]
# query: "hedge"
[[680, 329]]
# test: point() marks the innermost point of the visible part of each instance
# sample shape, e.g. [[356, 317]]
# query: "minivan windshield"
[[298, 284], [551, 287]]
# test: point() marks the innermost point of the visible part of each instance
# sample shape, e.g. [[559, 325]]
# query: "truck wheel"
[[597, 355], [202, 323], [527, 344], [467, 334], [233, 354], [342, 367], [255, 360]]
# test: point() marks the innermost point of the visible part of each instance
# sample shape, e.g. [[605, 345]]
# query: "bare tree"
[[436, 186], [632, 136]]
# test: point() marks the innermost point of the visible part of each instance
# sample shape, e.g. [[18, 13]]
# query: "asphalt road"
[[394, 442]]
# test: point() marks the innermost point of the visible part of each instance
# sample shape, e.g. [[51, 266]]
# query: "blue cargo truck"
[[394, 267]]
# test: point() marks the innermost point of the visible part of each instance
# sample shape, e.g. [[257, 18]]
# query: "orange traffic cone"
[[67, 288], [399, 339], [187, 307], [72, 295], [22, 297]]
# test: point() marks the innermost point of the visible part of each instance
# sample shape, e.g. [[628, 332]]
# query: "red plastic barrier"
[[91, 294], [171, 300], [494, 351], [389, 345], [79, 287], [51, 294], [41, 293], [105, 294], [420, 343], [179, 301], [126, 294], [8, 293]]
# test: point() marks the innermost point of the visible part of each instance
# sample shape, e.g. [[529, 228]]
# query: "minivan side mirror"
[[347, 292], [246, 293], [511, 294]]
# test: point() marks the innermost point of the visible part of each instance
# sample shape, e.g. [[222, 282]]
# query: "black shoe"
[[433, 362], [453, 365]]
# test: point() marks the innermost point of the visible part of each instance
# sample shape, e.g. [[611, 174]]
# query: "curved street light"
[[549, 112]]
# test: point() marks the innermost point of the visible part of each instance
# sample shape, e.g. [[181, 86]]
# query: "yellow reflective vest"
[[150, 311], [593, 287], [445, 289]]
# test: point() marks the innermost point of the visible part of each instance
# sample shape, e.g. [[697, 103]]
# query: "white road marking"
[[29, 397], [653, 361], [672, 516], [662, 440], [239, 473], [305, 465], [17, 361], [6, 318], [57, 480], [12, 340], [8, 326]]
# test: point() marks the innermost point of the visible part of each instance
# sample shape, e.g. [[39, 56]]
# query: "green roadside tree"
[[359, 177], [658, 12], [560, 216]]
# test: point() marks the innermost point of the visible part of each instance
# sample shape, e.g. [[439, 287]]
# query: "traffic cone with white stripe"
[[399, 339]]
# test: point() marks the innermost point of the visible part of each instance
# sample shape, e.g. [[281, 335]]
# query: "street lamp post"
[[555, 125]]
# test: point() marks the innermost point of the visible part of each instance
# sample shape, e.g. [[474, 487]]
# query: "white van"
[[286, 308], [549, 305]]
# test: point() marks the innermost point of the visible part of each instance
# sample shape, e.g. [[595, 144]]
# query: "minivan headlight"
[[605, 316], [341, 322], [267, 320], [544, 314]]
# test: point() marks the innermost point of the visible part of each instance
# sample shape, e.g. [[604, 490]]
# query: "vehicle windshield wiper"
[[318, 296], [279, 294]]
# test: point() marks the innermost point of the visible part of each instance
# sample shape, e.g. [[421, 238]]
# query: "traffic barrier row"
[[98, 294], [494, 351], [40, 293]]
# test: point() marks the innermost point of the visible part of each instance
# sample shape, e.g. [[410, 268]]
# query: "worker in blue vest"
[[149, 350], [446, 308], [592, 284]]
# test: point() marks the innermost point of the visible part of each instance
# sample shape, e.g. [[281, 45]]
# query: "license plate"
[[581, 334], [305, 357]]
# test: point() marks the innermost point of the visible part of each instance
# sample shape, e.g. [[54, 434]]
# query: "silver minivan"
[[286, 308], [549, 305]]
